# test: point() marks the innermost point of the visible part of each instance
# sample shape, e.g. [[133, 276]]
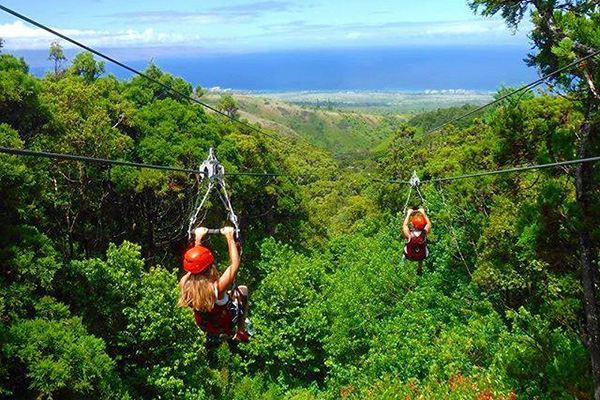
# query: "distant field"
[[380, 101]]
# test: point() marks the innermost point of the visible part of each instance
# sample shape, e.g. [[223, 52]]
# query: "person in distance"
[[416, 227]]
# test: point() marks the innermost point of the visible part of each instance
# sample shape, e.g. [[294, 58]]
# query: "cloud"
[[20, 36], [467, 32], [463, 28], [170, 16], [234, 13], [260, 6], [417, 29], [354, 35]]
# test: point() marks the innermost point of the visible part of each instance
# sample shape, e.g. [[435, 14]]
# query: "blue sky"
[[177, 27]]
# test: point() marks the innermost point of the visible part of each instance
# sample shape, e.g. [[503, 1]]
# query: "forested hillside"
[[339, 132], [91, 254]]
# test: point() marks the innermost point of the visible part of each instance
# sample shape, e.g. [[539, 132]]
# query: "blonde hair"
[[198, 291]]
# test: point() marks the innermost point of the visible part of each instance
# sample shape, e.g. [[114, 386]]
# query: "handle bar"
[[217, 231]]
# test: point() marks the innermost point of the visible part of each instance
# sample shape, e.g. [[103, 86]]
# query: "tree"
[[20, 104], [86, 66], [57, 56], [565, 30], [1, 44], [228, 105], [143, 91]]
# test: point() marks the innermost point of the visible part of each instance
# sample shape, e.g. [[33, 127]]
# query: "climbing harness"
[[415, 182], [212, 170]]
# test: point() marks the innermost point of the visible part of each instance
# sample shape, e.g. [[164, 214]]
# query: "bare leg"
[[420, 268]]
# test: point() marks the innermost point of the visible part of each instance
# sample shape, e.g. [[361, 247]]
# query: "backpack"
[[416, 248]]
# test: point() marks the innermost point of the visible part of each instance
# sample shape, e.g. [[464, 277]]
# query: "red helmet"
[[419, 222], [197, 259]]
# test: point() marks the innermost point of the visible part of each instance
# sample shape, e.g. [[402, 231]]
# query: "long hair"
[[199, 290]]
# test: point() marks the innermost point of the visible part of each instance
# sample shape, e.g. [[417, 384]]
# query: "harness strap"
[[227, 203], [194, 217], [415, 182], [422, 198], [407, 200]]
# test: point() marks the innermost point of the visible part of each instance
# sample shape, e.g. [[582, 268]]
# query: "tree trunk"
[[589, 271], [149, 207]]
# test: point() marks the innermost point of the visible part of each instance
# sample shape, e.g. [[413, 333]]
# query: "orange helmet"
[[419, 222], [197, 259]]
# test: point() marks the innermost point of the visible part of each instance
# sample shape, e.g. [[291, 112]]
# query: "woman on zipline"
[[416, 236], [217, 310]]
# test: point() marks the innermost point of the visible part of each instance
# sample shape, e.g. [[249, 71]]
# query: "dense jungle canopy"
[[91, 254]]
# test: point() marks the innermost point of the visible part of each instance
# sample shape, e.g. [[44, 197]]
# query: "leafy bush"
[[58, 357]]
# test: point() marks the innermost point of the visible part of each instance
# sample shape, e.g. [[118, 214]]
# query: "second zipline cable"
[[505, 171]]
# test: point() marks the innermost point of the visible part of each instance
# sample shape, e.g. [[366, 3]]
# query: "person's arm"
[[405, 229], [230, 273], [199, 234], [428, 226]]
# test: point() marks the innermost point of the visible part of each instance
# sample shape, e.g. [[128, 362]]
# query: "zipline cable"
[[61, 156], [507, 171], [71, 157], [521, 89], [135, 71]]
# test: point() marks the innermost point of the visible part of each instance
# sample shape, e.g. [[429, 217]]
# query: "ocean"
[[405, 69]]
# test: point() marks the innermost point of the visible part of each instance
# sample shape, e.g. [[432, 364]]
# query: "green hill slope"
[[335, 131]]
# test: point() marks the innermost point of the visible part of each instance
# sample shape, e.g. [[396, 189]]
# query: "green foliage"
[[228, 105], [254, 388], [60, 359], [20, 106], [552, 362], [430, 120], [142, 91], [16, 184], [87, 67], [392, 325], [458, 387], [155, 345], [289, 317], [31, 267], [563, 31], [88, 281], [57, 56], [513, 235], [342, 133]]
